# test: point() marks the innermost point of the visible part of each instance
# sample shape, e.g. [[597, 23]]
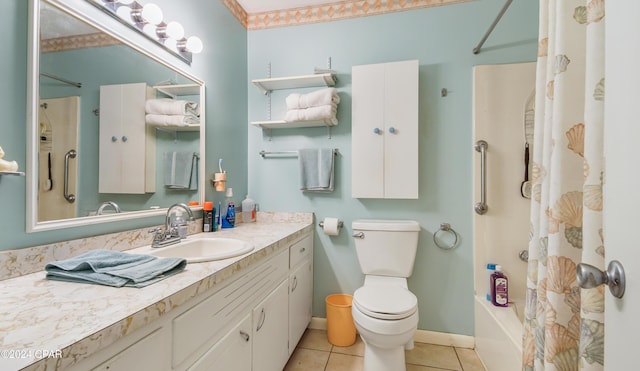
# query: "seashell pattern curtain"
[[564, 325]]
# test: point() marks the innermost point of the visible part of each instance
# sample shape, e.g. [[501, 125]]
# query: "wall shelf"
[[295, 82], [178, 89]]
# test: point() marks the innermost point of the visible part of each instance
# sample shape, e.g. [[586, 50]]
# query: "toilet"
[[384, 311]]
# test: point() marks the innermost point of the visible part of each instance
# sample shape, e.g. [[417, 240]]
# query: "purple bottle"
[[499, 288]]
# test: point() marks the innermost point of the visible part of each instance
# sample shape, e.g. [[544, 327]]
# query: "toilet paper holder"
[[340, 224]]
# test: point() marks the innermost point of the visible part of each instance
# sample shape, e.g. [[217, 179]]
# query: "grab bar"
[[69, 197], [481, 207]]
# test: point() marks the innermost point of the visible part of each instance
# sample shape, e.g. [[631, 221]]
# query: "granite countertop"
[[73, 320]]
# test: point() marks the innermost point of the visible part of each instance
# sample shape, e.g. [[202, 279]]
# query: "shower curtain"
[[564, 325]]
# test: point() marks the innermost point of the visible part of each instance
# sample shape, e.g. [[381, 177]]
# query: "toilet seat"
[[387, 302]]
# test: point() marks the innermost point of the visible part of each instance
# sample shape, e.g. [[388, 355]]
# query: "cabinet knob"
[[124, 138], [114, 138], [392, 130], [376, 131]]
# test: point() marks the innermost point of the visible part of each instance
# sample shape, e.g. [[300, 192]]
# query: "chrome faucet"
[[105, 204], [168, 235]]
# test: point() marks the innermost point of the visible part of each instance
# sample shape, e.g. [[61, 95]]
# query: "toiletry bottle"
[[248, 210], [499, 288], [490, 269], [180, 224], [207, 217], [230, 220]]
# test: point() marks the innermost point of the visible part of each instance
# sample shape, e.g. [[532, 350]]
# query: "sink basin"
[[204, 249]]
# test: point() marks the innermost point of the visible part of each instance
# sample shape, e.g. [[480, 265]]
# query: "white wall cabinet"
[[252, 323], [127, 154], [384, 130]]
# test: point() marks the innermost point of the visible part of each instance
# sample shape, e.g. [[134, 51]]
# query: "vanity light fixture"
[[148, 19]]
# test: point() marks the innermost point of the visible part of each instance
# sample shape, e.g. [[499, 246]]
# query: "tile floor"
[[315, 353]]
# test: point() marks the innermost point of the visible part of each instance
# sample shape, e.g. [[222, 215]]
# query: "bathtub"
[[498, 334]]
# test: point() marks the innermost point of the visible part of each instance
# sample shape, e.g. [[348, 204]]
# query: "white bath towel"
[[171, 120], [327, 113], [167, 106], [322, 97]]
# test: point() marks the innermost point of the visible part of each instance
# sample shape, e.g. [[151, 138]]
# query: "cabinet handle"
[[124, 138], [263, 316], [114, 138], [303, 249], [376, 131], [295, 283], [392, 130], [244, 335]]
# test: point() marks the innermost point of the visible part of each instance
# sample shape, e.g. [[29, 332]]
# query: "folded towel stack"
[[172, 112], [318, 105], [114, 268]]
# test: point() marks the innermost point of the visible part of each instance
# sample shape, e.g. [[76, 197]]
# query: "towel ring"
[[445, 227]]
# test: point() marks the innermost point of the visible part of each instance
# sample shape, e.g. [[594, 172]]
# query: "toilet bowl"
[[384, 311]]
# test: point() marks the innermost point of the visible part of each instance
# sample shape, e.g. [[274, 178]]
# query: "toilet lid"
[[385, 301]]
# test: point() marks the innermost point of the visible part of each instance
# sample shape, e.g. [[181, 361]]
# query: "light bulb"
[[125, 2], [194, 44], [175, 30], [124, 12], [149, 29], [152, 13]]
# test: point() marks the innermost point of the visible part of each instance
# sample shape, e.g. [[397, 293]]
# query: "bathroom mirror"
[[88, 84]]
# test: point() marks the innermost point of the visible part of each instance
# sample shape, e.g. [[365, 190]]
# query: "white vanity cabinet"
[[252, 322], [300, 289], [127, 154], [384, 130]]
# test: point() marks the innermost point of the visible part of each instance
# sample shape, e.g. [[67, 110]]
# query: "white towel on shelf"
[[167, 106], [171, 120], [326, 113], [322, 97]]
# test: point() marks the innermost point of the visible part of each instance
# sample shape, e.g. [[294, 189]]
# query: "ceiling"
[[259, 6]]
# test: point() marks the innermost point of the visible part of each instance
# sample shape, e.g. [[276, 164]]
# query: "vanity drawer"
[[300, 250], [202, 324]]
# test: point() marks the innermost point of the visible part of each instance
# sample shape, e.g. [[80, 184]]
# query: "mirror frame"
[[33, 81]]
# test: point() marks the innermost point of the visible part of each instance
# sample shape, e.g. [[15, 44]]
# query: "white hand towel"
[[322, 97], [171, 120], [327, 112], [167, 106]]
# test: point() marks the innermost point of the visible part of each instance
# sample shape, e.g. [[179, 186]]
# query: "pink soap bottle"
[[499, 288]]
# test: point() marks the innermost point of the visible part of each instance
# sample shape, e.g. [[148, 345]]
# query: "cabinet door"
[[401, 129], [149, 353], [367, 115], [231, 352], [300, 301], [270, 331]]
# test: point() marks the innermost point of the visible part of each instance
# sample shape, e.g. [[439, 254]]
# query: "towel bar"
[[264, 153]]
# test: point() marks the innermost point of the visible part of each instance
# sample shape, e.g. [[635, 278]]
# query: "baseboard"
[[421, 336]]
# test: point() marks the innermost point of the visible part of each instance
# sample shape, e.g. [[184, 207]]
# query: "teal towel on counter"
[[316, 169], [114, 268]]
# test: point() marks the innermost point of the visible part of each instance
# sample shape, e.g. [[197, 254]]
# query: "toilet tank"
[[386, 247]]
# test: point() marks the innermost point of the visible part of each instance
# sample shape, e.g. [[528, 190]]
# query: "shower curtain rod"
[[476, 50], [76, 84]]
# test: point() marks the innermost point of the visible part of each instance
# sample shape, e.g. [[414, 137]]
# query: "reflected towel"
[[171, 120], [316, 169], [167, 106], [181, 170], [326, 113], [114, 268], [322, 97]]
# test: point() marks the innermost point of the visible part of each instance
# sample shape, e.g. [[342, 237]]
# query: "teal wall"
[[222, 65], [442, 39]]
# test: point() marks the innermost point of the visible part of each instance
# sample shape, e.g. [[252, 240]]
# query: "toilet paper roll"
[[330, 226]]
